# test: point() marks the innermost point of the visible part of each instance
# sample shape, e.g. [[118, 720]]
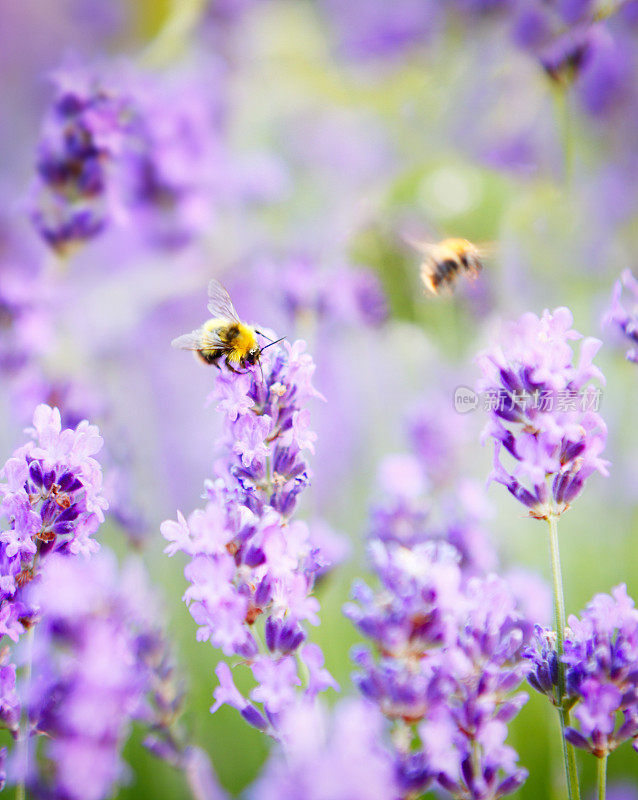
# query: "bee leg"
[[232, 369]]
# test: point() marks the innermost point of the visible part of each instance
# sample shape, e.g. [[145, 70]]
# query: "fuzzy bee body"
[[444, 263], [224, 337]]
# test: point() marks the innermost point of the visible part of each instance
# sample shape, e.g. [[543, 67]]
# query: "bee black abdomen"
[[210, 356], [448, 266], [446, 271]]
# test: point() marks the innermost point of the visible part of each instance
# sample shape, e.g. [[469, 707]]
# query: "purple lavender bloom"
[[450, 657], [419, 606], [481, 673], [542, 413], [53, 502], [601, 658], [85, 702], [406, 513], [607, 76], [123, 148], [601, 654], [343, 759], [345, 294], [438, 436], [624, 315], [174, 170], [9, 700], [100, 662], [575, 46], [252, 566], [83, 135], [566, 54]]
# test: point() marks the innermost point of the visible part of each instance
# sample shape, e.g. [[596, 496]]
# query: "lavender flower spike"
[[544, 415], [53, 502], [73, 197], [450, 658], [252, 567], [601, 661], [344, 760]]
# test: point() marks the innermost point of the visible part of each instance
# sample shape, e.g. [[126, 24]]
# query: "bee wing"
[[200, 340], [189, 341], [419, 245], [488, 249], [219, 303]]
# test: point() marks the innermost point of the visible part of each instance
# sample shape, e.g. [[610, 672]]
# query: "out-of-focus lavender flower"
[[436, 667], [575, 43], [345, 295], [25, 324], [86, 684], [623, 312], [252, 566], [601, 658], [100, 661], [544, 414], [174, 171], [123, 148], [53, 502], [342, 759], [9, 700], [419, 606], [74, 399], [84, 134], [406, 512], [438, 436]]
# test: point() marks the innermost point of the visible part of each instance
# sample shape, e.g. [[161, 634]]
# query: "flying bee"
[[444, 262], [224, 336]]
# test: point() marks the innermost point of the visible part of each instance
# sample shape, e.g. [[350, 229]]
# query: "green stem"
[[569, 756], [304, 672], [561, 101], [602, 777], [23, 735]]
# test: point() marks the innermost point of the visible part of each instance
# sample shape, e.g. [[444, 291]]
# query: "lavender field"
[[318, 399]]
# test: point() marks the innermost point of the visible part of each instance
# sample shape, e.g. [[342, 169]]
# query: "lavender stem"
[[23, 740], [559, 613], [602, 777], [561, 100]]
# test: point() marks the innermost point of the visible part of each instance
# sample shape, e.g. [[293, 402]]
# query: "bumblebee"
[[224, 337], [444, 262]]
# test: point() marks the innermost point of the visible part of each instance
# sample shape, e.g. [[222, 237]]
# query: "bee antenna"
[[271, 343], [263, 334]]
